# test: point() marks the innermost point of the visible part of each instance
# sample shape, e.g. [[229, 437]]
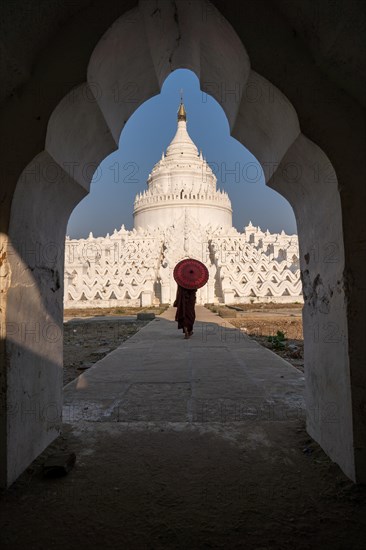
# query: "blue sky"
[[147, 133]]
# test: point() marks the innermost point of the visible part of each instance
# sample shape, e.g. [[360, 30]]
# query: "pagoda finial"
[[181, 111]]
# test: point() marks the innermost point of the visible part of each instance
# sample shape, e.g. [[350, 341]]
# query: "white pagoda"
[[181, 215], [180, 182]]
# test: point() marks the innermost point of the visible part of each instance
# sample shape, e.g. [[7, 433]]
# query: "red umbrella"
[[190, 273]]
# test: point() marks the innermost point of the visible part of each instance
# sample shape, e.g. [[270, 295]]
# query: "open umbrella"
[[190, 273]]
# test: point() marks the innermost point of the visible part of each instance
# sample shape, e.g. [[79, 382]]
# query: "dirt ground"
[[156, 486], [87, 341], [110, 312], [262, 321], [88, 337]]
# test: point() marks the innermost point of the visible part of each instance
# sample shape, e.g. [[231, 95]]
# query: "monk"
[[185, 314]]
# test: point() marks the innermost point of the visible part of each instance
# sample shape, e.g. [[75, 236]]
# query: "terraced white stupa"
[[181, 215]]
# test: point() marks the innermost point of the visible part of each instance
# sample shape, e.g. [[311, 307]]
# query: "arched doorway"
[[127, 67]]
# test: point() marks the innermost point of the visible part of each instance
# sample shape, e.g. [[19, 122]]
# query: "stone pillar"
[[146, 298], [165, 293], [229, 296]]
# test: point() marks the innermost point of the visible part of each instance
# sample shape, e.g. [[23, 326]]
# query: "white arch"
[[127, 67]]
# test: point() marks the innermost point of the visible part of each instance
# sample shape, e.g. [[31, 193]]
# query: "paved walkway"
[[218, 375], [186, 444]]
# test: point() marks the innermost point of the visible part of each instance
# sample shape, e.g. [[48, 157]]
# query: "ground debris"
[[58, 465]]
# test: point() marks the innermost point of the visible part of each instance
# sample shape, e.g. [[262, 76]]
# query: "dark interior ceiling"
[[333, 32]]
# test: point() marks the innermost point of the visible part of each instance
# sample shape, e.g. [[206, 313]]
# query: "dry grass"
[[111, 312]]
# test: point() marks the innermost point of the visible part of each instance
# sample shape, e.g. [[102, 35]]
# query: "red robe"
[[184, 303]]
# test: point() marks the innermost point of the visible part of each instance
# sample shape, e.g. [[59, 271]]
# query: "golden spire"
[[181, 111]]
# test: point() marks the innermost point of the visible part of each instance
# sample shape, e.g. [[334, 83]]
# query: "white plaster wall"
[[35, 310], [71, 135], [165, 216], [314, 196], [267, 121], [121, 71]]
